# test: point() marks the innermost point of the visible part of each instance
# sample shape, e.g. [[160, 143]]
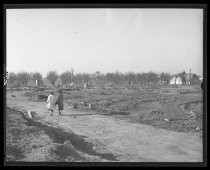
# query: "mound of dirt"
[[42, 97], [28, 94], [194, 109]]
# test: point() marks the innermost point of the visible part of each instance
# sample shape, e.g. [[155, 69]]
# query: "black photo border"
[[127, 164]]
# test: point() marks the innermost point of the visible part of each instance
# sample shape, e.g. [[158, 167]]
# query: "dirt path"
[[126, 141]]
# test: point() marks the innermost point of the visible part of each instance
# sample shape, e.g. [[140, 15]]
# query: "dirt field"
[[147, 124]]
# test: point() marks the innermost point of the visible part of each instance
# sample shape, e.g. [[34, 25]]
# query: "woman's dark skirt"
[[60, 105]]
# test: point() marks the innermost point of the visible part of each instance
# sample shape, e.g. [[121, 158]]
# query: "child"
[[51, 103]]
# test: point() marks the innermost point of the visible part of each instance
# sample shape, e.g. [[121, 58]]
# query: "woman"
[[60, 101], [51, 103]]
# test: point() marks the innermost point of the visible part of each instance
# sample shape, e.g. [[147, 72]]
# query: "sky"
[[104, 39]]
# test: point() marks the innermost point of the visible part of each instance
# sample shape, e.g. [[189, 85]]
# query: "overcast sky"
[[105, 40]]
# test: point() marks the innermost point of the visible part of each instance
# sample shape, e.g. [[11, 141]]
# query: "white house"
[[175, 80], [200, 78], [178, 80]]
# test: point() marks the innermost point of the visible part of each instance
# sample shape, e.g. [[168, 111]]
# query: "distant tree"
[[182, 75], [195, 79], [12, 78], [98, 73], [38, 76], [86, 78], [144, 78], [118, 78], [109, 77], [72, 71], [100, 79], [152, 77], [22, 78], [77, 78], [66, 77], [52, 76], [165, 77], [139, 78], [130, 77]]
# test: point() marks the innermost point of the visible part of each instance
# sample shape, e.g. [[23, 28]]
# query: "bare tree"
[[52, 76], [86, 78], [12, 78], [100, 79], [118, 78], [165, 77], [66, 77], [109, 77], [182, 75], [130, 77], [195, 79], [152, 77], [38, 76], [22, 78]]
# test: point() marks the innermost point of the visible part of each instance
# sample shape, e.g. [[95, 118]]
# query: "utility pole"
[[190, 77]]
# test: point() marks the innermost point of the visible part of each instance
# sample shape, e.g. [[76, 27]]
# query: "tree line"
[[98, 78]]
